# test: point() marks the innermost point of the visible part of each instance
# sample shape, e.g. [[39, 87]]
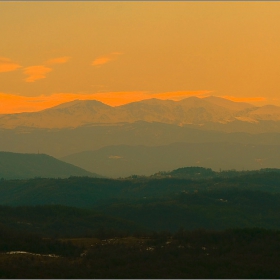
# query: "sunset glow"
[[149, 127], [121, 52]]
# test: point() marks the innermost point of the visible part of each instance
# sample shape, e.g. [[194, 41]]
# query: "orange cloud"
[[244, 99], [105, 59], [36, 73], [121, 98], [179, 95], [10, 103], [6, 65], [58, 60]]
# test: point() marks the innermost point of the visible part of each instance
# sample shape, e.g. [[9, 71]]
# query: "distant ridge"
[[189, 111], [126, 160], [22, 166]]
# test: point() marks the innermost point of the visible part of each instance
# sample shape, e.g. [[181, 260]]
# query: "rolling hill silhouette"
[[21, 166]]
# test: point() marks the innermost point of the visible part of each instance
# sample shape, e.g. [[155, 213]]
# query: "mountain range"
[[204, 113], [144, 137]]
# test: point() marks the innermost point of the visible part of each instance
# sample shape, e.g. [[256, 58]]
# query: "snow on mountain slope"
[[192, 110]]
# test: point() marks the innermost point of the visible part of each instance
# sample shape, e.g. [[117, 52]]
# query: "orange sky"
[[119, 52]]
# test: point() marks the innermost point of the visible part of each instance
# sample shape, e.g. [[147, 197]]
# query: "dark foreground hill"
[[200, 254], [20, 166], [62, 221], [142, 228]]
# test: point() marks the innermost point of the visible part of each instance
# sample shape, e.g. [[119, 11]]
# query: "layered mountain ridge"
[[126, 160], [190, 111], [143, 137]]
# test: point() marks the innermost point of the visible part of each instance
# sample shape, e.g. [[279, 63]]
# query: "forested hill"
[[250, 200], [89, 192], [22, 166], [198, 173]]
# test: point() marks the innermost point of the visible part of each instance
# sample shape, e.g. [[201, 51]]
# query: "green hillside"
[[246, 200], [22, 166]]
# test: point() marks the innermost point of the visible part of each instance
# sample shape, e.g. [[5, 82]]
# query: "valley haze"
[[148, 136]]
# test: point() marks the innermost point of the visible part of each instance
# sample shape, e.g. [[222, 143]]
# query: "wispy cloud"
[[39, 72], [245, 99], [106, 58], [6, 65], [11, 103], [58, 60], [36, 73]]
